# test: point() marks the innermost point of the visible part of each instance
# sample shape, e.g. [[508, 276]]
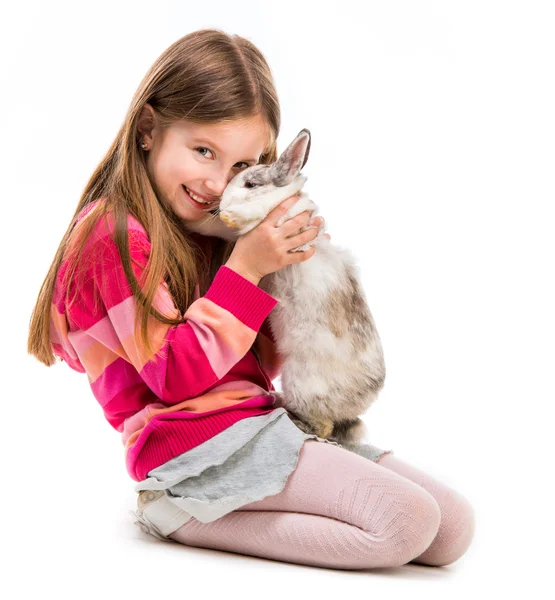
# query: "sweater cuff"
[[250, 304]]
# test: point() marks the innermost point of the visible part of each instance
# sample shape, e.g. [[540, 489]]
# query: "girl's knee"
[[431, 518], [407, 525], [456, 532]]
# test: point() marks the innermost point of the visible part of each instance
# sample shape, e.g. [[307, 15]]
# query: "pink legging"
[[341, 510]]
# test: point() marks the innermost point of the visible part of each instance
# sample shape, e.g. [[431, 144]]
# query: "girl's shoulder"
[[105, 225], [139, 239]]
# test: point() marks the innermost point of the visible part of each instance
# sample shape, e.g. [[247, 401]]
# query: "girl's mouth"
[[198, 205]]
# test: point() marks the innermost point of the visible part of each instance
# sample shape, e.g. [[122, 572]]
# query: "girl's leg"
[[457, 525], [337, 509]]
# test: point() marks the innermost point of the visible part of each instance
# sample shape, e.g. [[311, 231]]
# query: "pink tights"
[[341, 510]]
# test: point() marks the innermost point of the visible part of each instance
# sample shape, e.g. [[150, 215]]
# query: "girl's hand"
[[266, 248], [315, 222]]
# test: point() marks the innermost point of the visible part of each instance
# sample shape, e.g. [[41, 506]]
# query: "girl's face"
[[202, 159]]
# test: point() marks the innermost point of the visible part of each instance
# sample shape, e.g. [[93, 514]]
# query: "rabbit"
[[333, 365]]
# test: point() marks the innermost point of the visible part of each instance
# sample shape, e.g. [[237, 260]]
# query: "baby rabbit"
[[333, 364]]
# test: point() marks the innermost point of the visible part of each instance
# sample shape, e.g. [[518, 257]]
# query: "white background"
[[432, 159]]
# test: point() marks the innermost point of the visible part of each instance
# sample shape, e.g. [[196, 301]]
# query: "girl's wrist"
[[243, 272]]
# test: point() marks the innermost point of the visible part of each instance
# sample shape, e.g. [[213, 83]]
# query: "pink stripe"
[[126, 403], [186, 371], [102, 331], [118, 377], [220, 334]]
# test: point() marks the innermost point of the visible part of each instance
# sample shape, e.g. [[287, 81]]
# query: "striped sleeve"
[[188, 358]]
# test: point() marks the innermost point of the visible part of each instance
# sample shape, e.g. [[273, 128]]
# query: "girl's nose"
[[216, 187]]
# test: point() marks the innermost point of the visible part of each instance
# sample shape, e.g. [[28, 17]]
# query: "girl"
[[171, 329]]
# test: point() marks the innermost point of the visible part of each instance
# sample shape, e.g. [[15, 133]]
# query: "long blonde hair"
[[206, 77]]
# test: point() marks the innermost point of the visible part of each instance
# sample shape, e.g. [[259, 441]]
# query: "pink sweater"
[[203, 375]]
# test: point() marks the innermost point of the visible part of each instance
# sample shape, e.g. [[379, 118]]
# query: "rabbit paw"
[[325, 429], [350, 432], [322, 429]]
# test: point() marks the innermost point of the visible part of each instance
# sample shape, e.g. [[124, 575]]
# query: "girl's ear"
[[292, 159], [146, 121]]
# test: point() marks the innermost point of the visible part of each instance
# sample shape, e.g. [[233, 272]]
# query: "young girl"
[[171, 329]]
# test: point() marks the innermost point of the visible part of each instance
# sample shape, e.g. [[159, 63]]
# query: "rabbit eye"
[[250, 184]]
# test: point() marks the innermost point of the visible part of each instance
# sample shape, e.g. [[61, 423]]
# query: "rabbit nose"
[[228, 220]]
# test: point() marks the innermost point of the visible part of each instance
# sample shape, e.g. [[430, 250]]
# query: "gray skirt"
[[246, 462]]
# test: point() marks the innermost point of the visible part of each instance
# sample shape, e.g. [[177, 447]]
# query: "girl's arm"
[[189, 358]]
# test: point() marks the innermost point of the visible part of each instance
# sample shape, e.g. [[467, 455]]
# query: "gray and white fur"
[[333, 363]]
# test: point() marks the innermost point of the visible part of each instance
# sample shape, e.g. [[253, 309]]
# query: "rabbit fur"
[[333, 364]]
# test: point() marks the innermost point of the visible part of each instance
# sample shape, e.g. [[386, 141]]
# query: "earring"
[[144, 145]]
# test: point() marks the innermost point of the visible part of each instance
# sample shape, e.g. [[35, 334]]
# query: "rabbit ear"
[[292, 159]]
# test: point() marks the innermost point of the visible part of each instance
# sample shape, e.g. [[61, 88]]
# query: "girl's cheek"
[[186, 168], [179, 170]]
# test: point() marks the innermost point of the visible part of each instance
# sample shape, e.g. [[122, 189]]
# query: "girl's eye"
[[202, 148]]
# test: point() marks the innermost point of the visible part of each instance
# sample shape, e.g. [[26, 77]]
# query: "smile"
[[195, 197]]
